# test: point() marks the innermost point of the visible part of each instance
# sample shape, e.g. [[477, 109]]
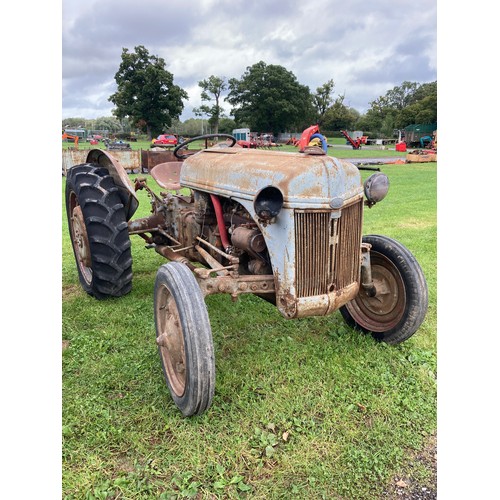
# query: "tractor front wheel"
[[400, 303], [184, 338]]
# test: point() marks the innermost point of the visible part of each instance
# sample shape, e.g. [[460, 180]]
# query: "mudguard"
[[120, 176]]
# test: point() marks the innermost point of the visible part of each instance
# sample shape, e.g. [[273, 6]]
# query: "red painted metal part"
[[220, 221], [306, 136], [354, 143]]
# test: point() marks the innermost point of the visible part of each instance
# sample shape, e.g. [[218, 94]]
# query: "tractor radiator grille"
[[327, 250]]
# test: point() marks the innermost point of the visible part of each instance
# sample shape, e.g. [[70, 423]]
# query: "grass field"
[[303, 409]]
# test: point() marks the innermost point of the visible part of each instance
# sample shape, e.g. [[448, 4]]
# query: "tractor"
[[285, 226]]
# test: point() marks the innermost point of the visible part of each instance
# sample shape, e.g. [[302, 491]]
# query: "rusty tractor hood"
[[306, 181]]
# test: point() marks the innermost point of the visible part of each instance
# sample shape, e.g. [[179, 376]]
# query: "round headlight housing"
[[376, 187], [268, 203]]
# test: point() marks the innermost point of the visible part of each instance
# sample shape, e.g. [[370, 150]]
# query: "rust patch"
[[302, 179]]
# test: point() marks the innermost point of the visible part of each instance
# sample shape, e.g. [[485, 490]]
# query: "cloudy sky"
[[367, 48]]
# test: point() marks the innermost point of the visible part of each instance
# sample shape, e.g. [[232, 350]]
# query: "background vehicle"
[[286, 227], [168, 139], [247, 144], [71, 138]]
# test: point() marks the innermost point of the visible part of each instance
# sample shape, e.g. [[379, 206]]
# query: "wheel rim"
[[80, 239], [386, 309], [170, 340]]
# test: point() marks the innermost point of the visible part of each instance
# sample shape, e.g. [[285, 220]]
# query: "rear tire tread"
[[101, 207]]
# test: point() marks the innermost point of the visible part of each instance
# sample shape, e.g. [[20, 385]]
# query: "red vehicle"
[[247, 144], [168, 139]]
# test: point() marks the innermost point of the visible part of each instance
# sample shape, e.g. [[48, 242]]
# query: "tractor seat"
[[168, 174]]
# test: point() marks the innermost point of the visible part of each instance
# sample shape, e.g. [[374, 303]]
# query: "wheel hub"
[[170, 342], [385, 299], [80, 237], [385, 309]]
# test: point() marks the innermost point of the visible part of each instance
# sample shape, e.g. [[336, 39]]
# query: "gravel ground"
[[407, 488]]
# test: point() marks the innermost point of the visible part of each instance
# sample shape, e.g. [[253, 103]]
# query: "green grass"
[[303, 409]]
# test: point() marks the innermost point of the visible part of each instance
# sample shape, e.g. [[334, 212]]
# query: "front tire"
[[184, 339], [99, 231], [399, 306]]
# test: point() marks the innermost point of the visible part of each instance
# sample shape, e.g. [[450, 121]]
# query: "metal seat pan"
[[168, 174]]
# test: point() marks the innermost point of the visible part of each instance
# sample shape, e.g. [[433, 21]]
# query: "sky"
[[367, 48]]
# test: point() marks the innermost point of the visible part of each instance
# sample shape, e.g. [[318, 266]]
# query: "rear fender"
[[120, 176]]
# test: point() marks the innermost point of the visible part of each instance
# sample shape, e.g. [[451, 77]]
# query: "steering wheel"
[[197, 138]]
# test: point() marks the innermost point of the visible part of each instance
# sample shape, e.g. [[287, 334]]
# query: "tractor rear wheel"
[[99, 231], [184, 339], [400, 303]]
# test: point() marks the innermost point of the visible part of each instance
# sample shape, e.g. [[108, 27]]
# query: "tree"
[[227, 125], [270, 99], [339, 116], [146, 91], [323, 99], [73, 122], [423, 91], [212, 89], [422, 108], [190, 127], [109, 123], [400, 97], [409, 103]]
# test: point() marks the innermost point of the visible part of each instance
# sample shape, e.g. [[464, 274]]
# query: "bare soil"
[[408, 488]]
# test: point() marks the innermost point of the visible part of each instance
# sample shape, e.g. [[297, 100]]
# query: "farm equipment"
[[117, 145], [308, 136], [355, 143], [286, 227], [421, 156], [69, 137], [247, 144], [425, 141]]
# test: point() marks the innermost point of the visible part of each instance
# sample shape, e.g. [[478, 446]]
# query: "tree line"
[[267, 98]]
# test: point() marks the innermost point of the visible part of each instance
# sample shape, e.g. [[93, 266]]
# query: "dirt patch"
[[124, 464], [408, 488], [65, 344], [416, 224], [71, 291]]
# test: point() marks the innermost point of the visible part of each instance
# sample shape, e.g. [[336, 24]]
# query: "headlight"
[[376, 187], [268, 203]]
